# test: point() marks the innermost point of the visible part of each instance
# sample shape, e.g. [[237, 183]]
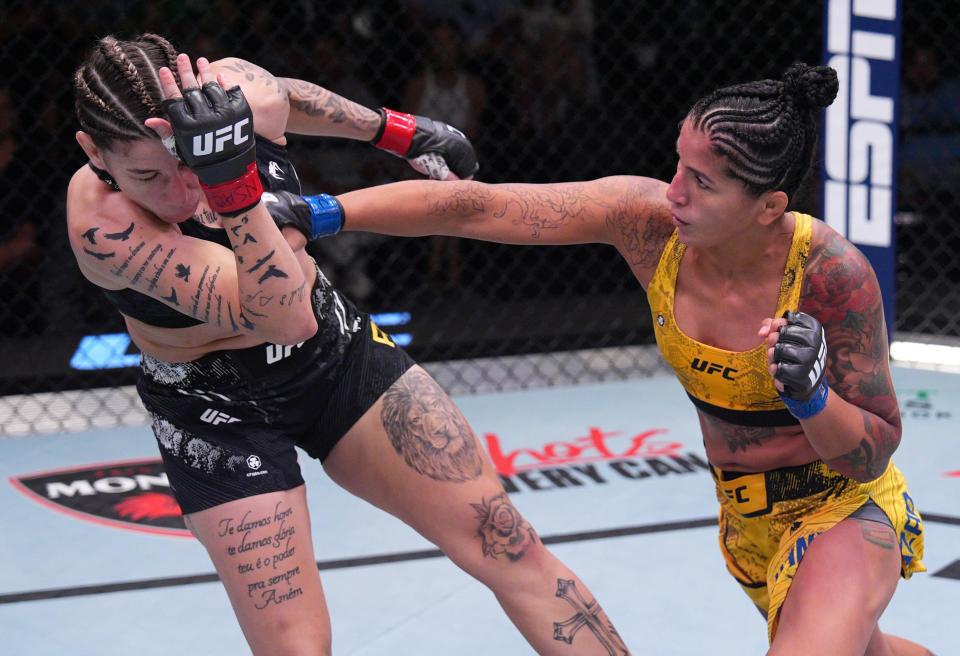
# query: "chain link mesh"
[[548, 90]]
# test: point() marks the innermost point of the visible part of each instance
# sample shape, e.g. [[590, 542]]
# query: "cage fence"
[[548, 90]]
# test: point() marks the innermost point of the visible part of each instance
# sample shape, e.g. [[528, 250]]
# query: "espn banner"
[[862, 42]]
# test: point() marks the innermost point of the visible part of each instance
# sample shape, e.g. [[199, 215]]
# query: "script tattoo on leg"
[[262, 547]]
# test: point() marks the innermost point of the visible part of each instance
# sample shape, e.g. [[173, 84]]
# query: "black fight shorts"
[[227, 423]]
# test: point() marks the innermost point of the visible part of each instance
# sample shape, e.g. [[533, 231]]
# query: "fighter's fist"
[[314, 216], [413, 137], [799, 356], [213, 131]]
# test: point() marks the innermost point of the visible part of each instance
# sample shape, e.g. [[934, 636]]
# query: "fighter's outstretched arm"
[[628, 212]]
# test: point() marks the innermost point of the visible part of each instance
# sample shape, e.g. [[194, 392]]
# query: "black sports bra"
[[276, 174]]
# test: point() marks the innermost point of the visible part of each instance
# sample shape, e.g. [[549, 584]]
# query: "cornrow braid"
[[97, 116], [118, 87], [168, 50], [767, 130], [113, 51]]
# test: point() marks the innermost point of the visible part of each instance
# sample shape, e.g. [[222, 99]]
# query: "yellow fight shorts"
[[768, 519]]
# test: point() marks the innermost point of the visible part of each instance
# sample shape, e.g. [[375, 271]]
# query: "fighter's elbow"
[[290, 330], [299, 330]]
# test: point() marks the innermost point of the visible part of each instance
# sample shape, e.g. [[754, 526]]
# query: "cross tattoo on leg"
[[588, 614]]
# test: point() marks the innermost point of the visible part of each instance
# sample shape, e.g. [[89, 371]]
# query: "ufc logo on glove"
[[209, 142]]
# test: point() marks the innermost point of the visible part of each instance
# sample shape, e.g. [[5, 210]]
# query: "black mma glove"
[[409, 136], [314, 216], [213, 130], [801, 356]]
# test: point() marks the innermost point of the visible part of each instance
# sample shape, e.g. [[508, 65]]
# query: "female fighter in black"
[[248, 351]]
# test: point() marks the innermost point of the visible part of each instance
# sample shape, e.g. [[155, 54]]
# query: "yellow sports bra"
[[732, 385]]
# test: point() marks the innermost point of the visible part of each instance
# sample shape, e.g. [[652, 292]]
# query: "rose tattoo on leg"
[[503, 531]]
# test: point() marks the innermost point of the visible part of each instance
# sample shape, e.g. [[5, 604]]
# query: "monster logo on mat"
[[133, 494]]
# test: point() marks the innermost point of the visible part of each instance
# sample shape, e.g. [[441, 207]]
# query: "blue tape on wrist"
[[812, 406], [326, 214]]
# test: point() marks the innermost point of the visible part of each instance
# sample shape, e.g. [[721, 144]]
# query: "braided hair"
[[118, 87], [767, 130]]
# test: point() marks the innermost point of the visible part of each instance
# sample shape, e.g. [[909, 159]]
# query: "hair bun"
[[811, 86]]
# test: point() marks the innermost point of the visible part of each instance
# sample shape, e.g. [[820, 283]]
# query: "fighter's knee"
[[503, 546], [295, 637], [504, 534], [533, 565], [311, 650]]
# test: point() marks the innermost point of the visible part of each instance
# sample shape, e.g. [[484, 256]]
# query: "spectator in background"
[[19, 245], [335, 166], [476, 20], [387, 36], [572, 17], [553, 101], [446, 90], [929, 151], [37, 41], [569, 25], [930, 102], [444, 86]]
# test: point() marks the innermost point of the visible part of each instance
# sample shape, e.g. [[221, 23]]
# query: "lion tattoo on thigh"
[[429, 431]]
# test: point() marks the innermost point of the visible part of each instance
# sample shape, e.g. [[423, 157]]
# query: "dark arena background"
[[562, 90], [549, 352]]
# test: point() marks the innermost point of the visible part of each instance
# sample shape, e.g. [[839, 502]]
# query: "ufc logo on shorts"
[[209, 142], [216, 417], [277, 352]]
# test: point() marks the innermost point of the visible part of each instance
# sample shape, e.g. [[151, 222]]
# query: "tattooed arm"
[[282, 105], [257, 288], [287, 105], [860, 427], [616, 210], [318, 111], [266, 94]]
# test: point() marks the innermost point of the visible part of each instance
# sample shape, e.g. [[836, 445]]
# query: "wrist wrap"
[[396, 132], [326, 214], [235, 196], [812, 406]]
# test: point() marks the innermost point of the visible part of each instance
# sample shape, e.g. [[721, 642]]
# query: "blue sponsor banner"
[[859, 144], [112, 351], [104, 352]]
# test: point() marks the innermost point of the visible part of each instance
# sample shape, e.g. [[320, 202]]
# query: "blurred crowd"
[[548, 90]]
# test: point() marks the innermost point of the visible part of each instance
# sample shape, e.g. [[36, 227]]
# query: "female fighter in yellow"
[[774, 325]]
